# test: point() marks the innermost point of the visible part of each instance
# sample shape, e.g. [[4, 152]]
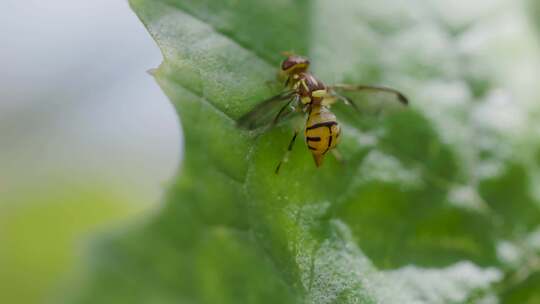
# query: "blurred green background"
[[88, 142], [87, 139]]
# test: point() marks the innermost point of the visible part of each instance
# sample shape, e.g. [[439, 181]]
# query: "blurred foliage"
[[432, 205], [527, 292], [535, 13], [41, 233]]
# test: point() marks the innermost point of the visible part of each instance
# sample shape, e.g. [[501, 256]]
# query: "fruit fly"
[[304, 93]]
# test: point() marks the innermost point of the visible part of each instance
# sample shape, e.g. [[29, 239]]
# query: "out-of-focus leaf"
[[40, 229], [527, 292], [535, 13]]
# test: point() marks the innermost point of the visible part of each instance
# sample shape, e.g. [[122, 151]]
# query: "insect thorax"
[[310, 89]]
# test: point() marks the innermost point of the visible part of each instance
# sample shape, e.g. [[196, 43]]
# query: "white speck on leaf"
[[451, 284], [386, 168]]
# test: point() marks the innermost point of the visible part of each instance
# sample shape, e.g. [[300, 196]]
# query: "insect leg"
[[287, 81], [346, 100], [289, 148], [278, 115]]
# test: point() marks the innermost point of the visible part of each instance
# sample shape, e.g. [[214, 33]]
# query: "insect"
[[304, 93]]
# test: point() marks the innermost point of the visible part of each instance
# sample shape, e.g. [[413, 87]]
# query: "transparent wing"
[[370, 99], [268, 112]]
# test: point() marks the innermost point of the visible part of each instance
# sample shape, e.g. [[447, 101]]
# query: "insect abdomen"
[[322, 132]]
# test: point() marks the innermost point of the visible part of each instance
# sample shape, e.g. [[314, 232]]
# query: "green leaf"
[[526, 292], [416, 203], [535, 13]]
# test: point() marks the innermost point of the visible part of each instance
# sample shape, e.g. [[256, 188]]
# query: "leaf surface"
[[413, 206]]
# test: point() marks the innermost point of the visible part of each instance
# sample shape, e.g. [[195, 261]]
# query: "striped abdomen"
[[322, 132]]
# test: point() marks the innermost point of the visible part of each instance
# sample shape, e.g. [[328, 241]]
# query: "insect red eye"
[[287, 64], [294, 61]]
